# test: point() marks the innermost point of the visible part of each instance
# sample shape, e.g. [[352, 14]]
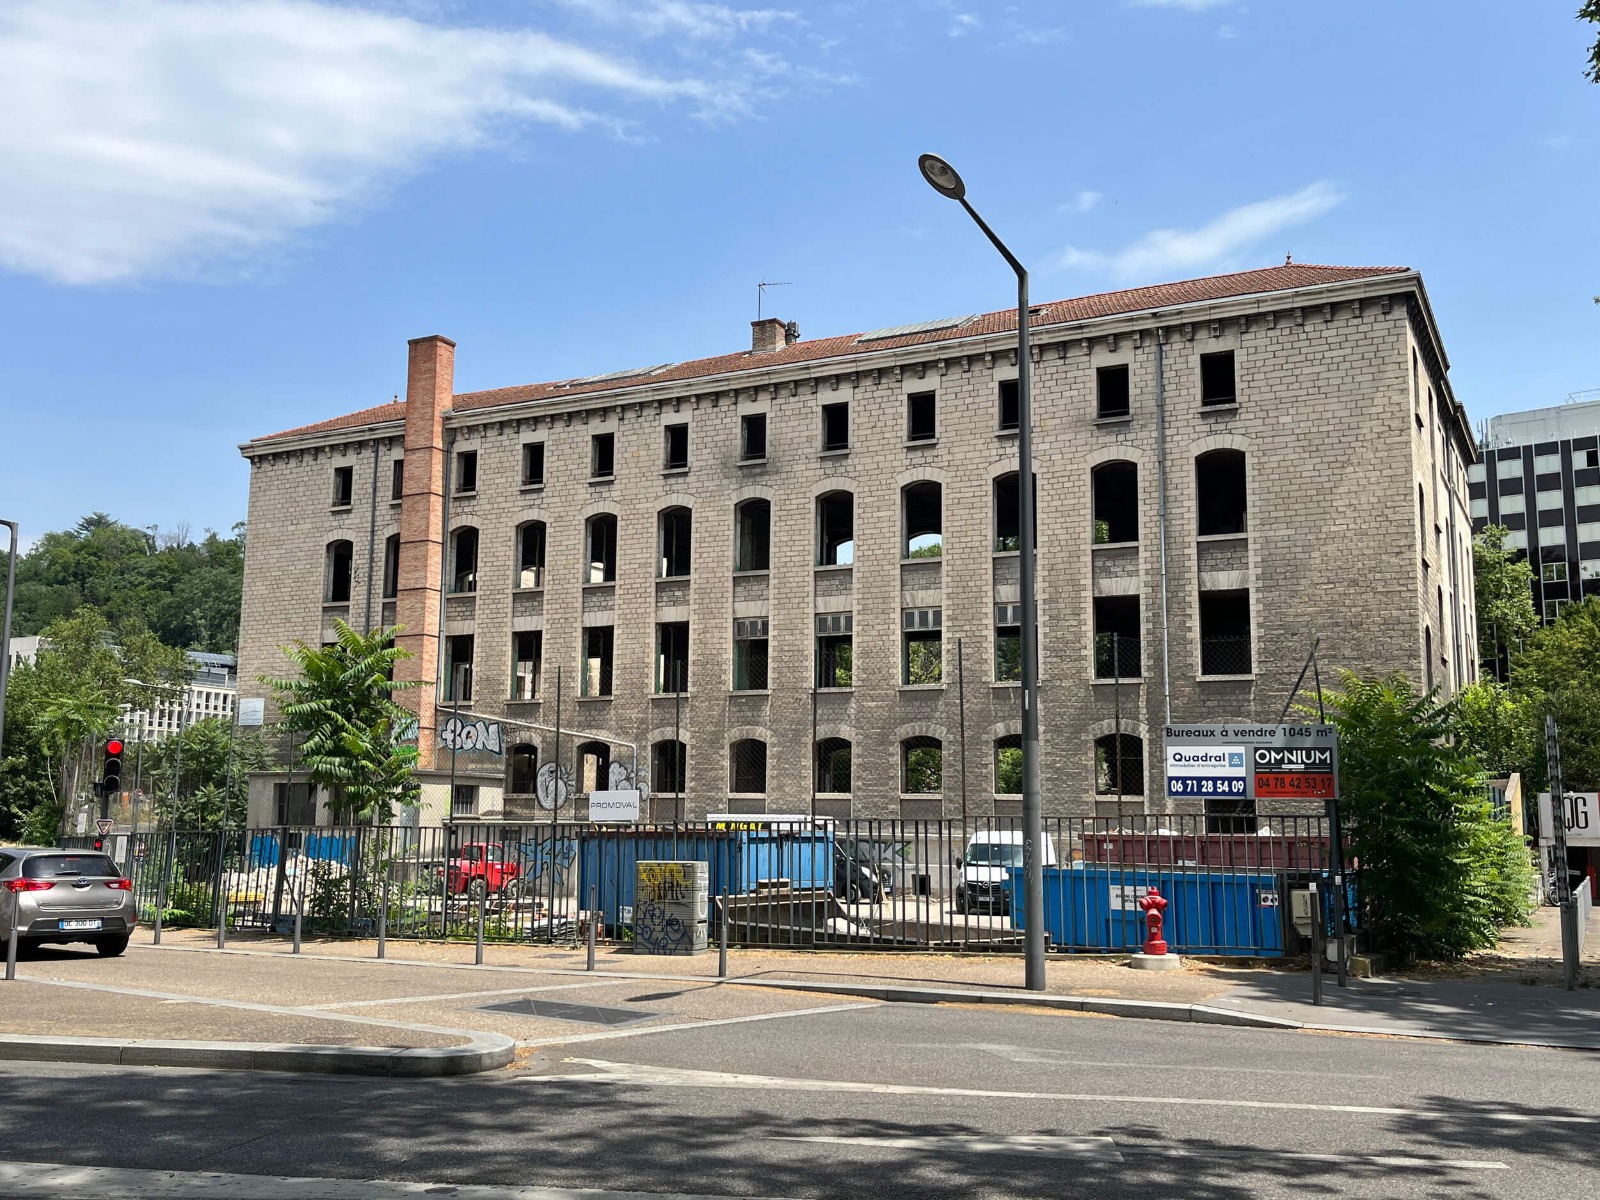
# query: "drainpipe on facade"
[[372, 535], [1161, 522], [444, 602]]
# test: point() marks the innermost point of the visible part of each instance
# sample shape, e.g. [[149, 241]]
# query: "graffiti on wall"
[[462, 735]]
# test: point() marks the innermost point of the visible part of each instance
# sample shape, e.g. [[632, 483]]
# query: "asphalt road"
[[884, 1101]]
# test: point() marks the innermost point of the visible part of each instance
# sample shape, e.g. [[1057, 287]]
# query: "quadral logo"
[[1294, 758], [1204, 758]]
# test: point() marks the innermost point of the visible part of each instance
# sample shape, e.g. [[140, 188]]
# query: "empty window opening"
[[922, 766], [527, 661], [1216, 378], [1111, 391], [921, 425], [922, 504], [344, 483], [1008, 765], [1220, 492], [835, 650], [752, 437], [676, 449], [530, 554], [753, 552], [669, 763], [1116, 502], [464, 560], [1116, 637], [1225, 633], [602, 455], [601, 534], [676, 529], [836, 426], [336, 585], [1119, 765], [458, 668], [747, 766], [464, 800], [598, 645], [836, 536], [391, 566], [1007, 514], [750, 655], [1010, 405], [524, 768], [594, 767], [466, 471], [833, 766], [533, 464], [1007, 642], [397, 479], [294, 804], [922, 646], [672, 656]]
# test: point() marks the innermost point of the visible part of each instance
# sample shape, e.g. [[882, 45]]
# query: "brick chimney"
[[766, 336], [430, 384]]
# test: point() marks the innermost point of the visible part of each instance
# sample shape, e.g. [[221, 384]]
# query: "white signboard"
[[1582, 816], [252, 712], [614, 806]]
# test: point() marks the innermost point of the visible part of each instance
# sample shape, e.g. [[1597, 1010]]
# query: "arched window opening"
[[747, 766], [524, 768], [464, 560], [530, 554], [336, 573], [668, 767], [753, 522], [1119, 765], [676, 526], [1008, 765], [391, 566], [833, 765], [601, 539], [836, 535], [1007, 514], [923, 520], [922, 766], [594, 767], [1220, 492]]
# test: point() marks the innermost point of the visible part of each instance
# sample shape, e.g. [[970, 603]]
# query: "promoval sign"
[[1252, 762]]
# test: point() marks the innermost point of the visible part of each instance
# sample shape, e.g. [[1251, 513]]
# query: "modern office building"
[[213, 687], [785, 579], [1539, 477]]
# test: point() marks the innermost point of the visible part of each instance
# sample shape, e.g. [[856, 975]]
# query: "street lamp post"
[[942, 177], [5, 631]]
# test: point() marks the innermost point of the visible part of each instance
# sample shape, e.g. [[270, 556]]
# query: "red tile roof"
[[1283, 278]]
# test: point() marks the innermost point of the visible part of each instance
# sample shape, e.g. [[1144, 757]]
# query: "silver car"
[[65, 896]]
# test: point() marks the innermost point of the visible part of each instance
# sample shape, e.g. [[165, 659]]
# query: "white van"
[[986, 866]]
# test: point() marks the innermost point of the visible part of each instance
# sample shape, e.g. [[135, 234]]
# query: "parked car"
[[65, 896], [991, 856], [857, 875], [480, 868]]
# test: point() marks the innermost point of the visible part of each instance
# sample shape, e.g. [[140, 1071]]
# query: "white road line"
[[1058, 1058], [49, 1181], [550, 987], [1375, 1160], [1099, 1149], [643, 1076], [608, 1034]]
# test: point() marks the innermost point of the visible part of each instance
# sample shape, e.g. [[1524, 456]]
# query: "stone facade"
[[1335, 446]]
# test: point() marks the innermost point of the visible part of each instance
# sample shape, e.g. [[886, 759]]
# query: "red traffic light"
[[114, 746]]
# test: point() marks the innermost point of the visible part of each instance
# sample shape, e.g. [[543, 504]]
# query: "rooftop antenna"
[[761, 291]]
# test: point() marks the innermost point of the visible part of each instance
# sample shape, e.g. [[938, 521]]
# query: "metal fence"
[[877, 885]]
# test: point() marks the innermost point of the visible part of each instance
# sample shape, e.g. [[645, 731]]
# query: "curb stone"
[[483, 1052]]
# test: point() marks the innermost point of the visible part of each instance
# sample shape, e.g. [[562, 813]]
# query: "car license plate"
[[81, 923]]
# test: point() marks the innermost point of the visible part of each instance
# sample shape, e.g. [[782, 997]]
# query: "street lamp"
[[942, 177], [5, 631]]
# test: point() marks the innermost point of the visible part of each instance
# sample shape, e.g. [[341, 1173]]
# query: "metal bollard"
[[299, 904], [1316, 945], [592, 923], [222, 897], [11, 941], [483, 902], [722, 950], [383, 915]]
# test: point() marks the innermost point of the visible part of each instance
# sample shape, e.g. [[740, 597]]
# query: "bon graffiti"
[[471, 735]]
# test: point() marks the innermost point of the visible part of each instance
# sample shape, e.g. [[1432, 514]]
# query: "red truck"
[[480, 866]]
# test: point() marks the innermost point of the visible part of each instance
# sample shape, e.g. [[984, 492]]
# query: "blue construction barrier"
[[1095, 908], [319, 847]]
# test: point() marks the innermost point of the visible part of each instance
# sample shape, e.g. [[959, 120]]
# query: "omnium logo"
[[1297, 758], [1206, 758]]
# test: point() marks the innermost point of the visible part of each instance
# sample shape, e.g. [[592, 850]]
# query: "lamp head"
[[942, 177]]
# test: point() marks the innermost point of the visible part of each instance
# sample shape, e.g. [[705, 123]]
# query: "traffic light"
[[111, 773]]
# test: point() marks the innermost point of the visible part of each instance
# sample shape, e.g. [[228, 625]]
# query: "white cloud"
[[1085, 200], [155, 137], [1164, 251], [962, 24], [657, 18]]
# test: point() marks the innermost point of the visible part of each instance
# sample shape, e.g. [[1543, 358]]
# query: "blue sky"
[[222, 219]]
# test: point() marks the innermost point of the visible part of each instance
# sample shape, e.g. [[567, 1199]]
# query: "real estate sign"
[[1243, 761], [1582, 813]]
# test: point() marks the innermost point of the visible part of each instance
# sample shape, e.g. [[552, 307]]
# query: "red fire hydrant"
[[1154, 904]]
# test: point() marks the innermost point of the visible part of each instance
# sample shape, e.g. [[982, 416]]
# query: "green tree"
[[1502, 728], [215, 783], [1503, 585], [1591, 12], [1440, 876], [342, 707]]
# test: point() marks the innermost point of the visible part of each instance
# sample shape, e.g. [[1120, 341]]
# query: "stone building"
[[784, 580]]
